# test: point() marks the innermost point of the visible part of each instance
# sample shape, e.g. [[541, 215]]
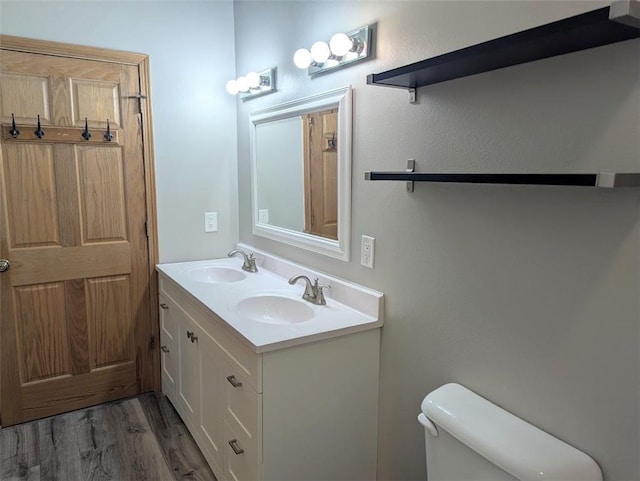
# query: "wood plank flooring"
[[137, 439]]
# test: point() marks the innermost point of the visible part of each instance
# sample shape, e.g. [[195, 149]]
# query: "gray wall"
[[190, 46], [526, 295]]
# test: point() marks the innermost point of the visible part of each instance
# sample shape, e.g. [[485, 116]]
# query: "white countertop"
[[360, 308]]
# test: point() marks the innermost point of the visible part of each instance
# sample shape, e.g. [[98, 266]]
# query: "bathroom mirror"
[[301, 172]]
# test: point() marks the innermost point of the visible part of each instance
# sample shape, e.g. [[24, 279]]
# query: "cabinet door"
[[188, 368], [168, 348], [211, 401]]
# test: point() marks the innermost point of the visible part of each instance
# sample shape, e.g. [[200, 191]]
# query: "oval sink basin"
[[274, 309], [215, 274]]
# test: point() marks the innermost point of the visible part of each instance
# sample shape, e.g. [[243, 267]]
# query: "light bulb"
[[253, 80], [340, 44], [243, 84], [302, 58], [351, 56], [232, 87], [320, 52]]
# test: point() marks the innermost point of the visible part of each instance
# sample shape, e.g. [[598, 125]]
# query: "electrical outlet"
[[211, 222], [367, 252], [263, 216]]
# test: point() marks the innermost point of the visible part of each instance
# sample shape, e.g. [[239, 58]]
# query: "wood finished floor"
[[137, 439]]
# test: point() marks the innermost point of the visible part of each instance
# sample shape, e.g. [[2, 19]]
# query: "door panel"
[[25, 96], [42, 331], [109, 316], [95, 101], [101, 193], [31, 195], [76, 314]]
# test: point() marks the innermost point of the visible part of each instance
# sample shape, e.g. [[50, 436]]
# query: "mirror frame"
[[342, 99]]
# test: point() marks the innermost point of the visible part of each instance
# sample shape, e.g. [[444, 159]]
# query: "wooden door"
[[321, 173], [77, 326]]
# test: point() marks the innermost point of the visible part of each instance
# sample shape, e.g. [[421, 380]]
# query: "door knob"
[[4, 265]]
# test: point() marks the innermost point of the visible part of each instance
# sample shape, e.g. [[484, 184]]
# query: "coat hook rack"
[[14, 132], [108, 136], [39, 132], [86, 135]]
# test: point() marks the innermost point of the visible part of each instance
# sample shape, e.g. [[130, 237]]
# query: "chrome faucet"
[[249, 261], [312, 292]]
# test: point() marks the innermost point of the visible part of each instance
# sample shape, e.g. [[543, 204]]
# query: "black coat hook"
[[332, 142], [14, 132], [86, 135], [108, 136], [39, 132]]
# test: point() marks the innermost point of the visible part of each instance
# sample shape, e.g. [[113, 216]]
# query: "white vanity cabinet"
[[304, 412]]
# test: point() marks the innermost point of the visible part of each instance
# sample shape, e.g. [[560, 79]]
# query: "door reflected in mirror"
[[297, 169], [301, 169]]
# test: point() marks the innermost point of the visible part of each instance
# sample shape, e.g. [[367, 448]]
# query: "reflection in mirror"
[[301, 172], [279, 163]]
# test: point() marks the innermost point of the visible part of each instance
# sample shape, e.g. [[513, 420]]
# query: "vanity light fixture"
[[253, 84], [343, 49]]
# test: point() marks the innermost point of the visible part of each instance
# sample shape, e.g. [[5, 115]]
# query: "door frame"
[[150, 380]]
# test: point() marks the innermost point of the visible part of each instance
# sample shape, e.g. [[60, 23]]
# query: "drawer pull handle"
[[192, 336], [233, 382], [164, 306], [164, 349], [234, 445]]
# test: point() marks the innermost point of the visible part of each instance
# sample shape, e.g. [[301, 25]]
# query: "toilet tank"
[[470, 438]]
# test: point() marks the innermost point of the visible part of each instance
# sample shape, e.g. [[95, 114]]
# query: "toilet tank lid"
[[517, 447]]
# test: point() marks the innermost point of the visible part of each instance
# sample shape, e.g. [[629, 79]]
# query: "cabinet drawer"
[[241, 461], [244, 361], [242, 404]]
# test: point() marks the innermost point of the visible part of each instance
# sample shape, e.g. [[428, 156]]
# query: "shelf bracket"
[[412, 96], [411, 167], [625, 11]]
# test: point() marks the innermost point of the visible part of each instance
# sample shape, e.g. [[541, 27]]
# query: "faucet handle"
[[320, 300], [251, 263]]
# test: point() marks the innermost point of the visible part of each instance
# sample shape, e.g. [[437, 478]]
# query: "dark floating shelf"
[[584, 31], [604, 179]]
